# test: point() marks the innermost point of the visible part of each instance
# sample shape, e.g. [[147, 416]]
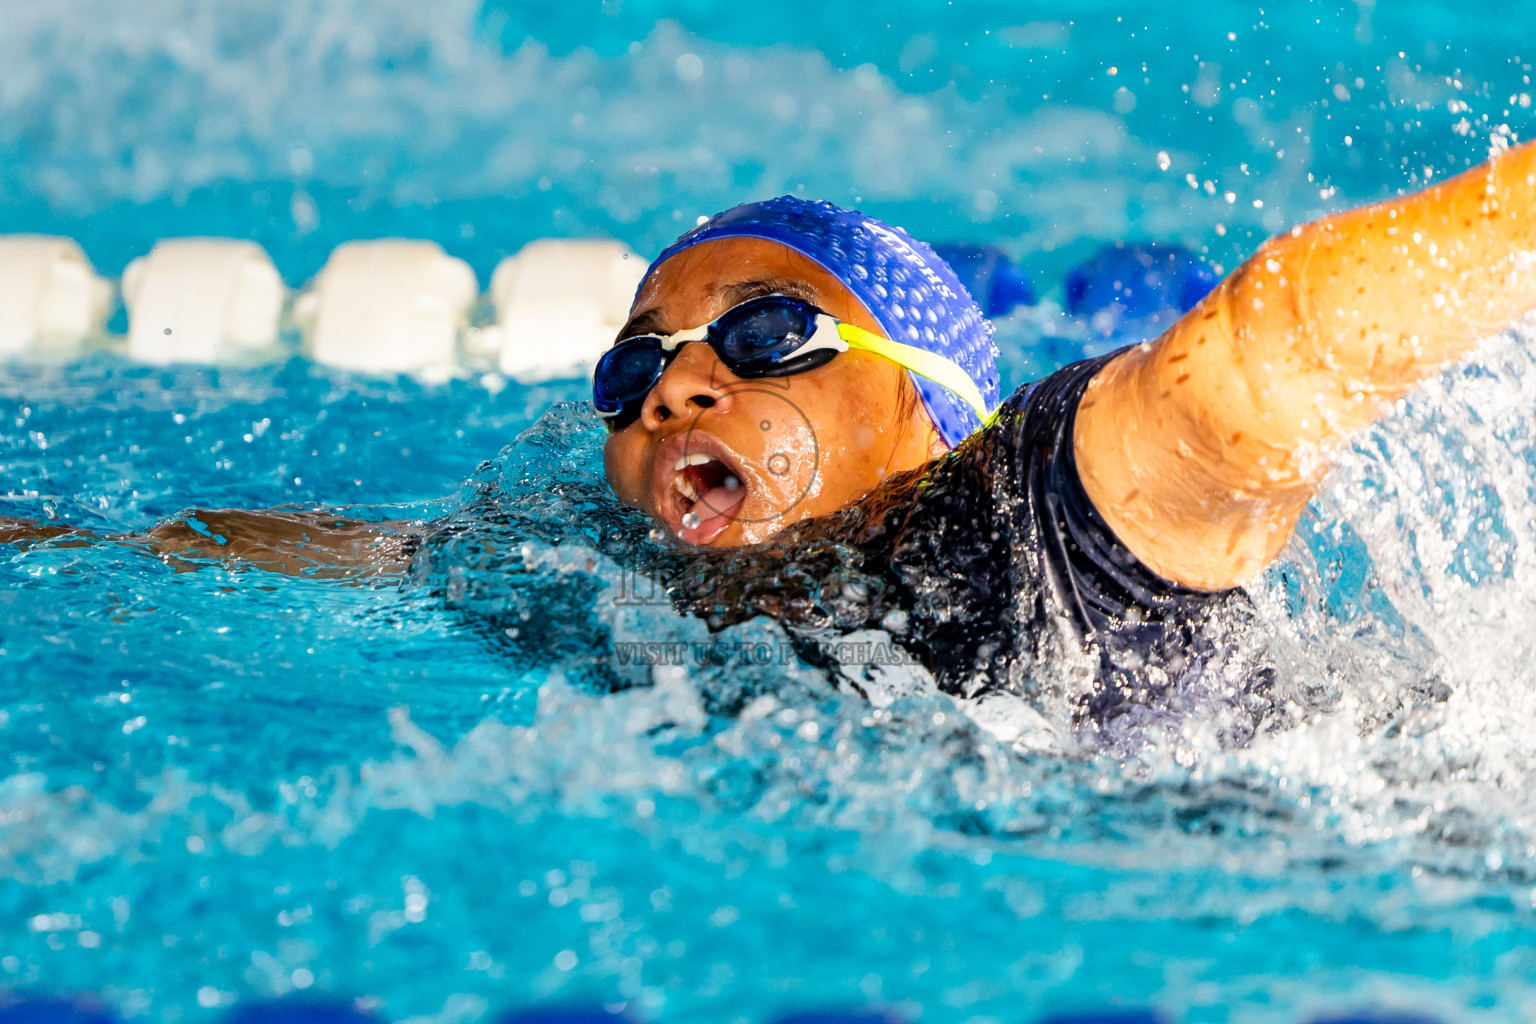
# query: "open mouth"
[[705, 494]]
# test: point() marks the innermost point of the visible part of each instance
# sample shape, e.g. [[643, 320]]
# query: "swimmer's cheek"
[[627, 469]]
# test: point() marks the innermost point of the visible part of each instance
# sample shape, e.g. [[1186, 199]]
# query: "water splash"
[[1396, 621]]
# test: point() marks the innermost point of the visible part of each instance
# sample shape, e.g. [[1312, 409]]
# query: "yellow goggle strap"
[[943, 372]]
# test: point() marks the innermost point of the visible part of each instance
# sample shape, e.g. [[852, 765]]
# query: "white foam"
[[1406, 627], [399, 103]]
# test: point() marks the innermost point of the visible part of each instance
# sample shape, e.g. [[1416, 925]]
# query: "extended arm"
[[295, 542], [1201, 449]]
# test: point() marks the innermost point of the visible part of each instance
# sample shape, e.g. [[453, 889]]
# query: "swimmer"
[[801, 384]]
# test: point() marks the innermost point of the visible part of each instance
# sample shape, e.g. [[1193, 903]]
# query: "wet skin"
[[764, 453], [1200, 449]]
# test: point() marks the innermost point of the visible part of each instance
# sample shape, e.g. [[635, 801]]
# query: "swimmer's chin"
[[735, 535]]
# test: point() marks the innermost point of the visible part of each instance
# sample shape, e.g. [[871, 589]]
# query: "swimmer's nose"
[[695, 381]]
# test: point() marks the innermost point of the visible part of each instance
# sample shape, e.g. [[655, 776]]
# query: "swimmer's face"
[[722, 460]]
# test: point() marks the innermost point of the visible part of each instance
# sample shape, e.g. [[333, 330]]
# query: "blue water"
[[226, 785]]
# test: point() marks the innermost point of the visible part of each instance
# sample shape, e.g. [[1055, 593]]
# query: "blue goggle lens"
[[758, 338], [627, 372], [758, 335]]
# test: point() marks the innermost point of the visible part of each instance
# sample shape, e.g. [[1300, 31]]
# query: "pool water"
[[225, 785]]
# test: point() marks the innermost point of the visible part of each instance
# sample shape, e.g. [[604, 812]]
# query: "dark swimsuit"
[[998, 568], [990, 567]]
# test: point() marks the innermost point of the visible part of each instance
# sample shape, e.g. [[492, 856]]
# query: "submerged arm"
[[1201, 449], [294, 542]]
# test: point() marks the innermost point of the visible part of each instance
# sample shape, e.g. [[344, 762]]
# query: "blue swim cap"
[[912, 293]]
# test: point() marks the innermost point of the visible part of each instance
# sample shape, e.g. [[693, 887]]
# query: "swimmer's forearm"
[[1322, 329], [1455, 262], [293, 542], [1202, 448], [24, 533], [1317, 334]]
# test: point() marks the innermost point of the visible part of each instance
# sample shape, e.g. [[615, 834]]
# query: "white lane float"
[[202, 300], [50, 297], [387, 306], [558, 303]]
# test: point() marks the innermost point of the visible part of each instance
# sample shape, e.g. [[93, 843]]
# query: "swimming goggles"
[[772, 336]]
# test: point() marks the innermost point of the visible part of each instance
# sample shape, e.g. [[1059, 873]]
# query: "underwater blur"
[[517, 775]]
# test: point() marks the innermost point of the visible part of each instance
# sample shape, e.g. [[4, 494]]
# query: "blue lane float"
[[91, 1010], [298, 1011], [54, 1011], [1116, 1016], [997, 284], [1378, 1017], [568, 1014], [840, 1017], [210, 300], [1135, 291]]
